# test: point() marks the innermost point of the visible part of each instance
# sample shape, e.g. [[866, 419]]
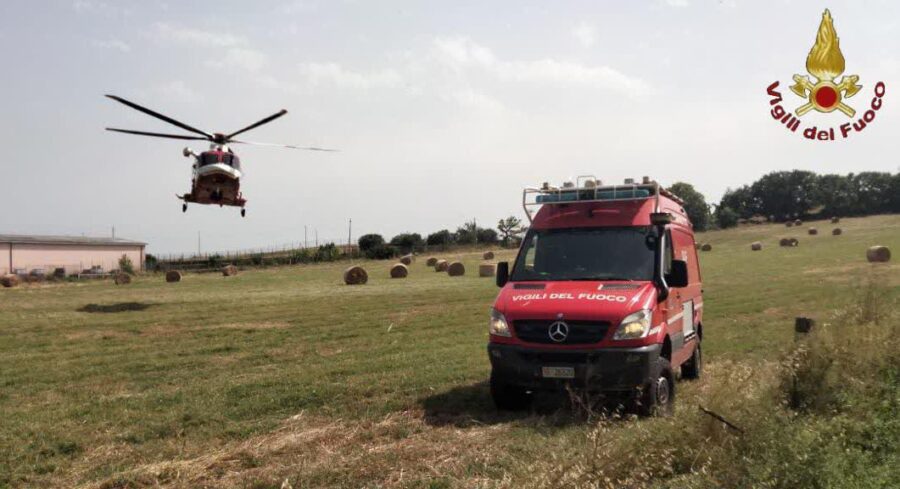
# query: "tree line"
[[507, 233], [798, 194]]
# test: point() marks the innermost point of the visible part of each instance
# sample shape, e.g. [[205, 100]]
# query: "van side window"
[[669, 254], [530, 252]]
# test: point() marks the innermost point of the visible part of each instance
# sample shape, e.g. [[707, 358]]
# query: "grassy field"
[[287, 378]]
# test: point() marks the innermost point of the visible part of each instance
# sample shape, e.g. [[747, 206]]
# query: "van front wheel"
[[658, 398], [509, 397]]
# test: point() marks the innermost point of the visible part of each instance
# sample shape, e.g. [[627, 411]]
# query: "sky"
[[442, 111]]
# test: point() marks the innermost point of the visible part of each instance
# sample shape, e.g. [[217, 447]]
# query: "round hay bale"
[[399, 271], [441, 266], [122, 279], [456, 269], [431, 261], [835, 220], [355, 276], [487, 270], [9, 281], [878, 254], [487, 255], [836, 232], [789, 224], [798, 222], [784, 242], [813, 231], [794, 242], [173, 276], [229, 270], [756, 246], [706, 247], [406, 259]]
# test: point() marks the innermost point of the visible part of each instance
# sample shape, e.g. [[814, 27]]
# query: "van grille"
[[580, 332]]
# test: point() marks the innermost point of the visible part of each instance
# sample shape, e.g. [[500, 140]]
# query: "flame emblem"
[[825, 62]]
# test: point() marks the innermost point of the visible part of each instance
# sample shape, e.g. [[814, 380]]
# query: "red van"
[[604, 295]]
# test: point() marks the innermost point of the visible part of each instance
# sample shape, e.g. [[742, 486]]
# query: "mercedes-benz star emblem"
[[558, 331]]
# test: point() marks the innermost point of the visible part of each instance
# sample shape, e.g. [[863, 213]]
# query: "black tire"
[[692, 368], [509, 397], [658, 398]]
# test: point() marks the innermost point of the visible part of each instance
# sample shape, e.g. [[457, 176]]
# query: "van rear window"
[[608, 253]]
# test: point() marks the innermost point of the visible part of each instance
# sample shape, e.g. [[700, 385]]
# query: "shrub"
[[440, 238], [408, 242], [487, 236], [328, 252], [125, 265], [381, 252], [726, 217], [368, 241]]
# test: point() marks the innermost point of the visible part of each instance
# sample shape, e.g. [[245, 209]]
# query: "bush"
[[125, 265], [408, 242], [726, 217], [487, 236], [367, 242], [328, 252], [382, 252], [440, 238]]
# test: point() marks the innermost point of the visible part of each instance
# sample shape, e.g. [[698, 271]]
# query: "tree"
[[694, 204], [466, 234], [785, 194], [726, 217], [439, 238], [740, 201], [407, 242], [510, 229], [487, 235], [369, 241], [125, 265]]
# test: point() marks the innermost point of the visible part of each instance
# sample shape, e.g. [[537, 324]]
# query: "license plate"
[[558, 372]]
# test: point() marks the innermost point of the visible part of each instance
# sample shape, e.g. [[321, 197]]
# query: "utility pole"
[[113, 232], [305, 242], [198, 244], [317, 237], [475, 230], [349, 234]]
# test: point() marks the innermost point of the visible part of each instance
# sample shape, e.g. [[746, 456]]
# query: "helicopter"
[[216, 171]]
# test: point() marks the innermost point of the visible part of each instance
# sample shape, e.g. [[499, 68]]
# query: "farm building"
[[22, 254]]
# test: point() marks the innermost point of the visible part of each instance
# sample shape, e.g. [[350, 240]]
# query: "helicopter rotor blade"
[[289, 146], [157, 134], [161, 117], [259, 123]]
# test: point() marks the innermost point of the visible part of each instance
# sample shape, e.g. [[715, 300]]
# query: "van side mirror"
[[502, 273], [678, 277]]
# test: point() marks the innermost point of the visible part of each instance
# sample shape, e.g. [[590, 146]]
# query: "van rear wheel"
[[509, 397], [692, 368], [658, 398]]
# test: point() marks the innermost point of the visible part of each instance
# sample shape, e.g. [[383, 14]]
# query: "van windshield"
[[608, 253]]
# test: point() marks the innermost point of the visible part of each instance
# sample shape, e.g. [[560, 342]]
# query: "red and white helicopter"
[[217, 171]]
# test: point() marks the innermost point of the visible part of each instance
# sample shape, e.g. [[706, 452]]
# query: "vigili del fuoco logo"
[[825, 93]]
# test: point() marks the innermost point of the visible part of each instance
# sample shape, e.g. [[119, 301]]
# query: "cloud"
[[241, 58], [585, 33], [462, 53], [676, 3], [178, 90], [334, 73], [99, 7], [197, 37], [114, 44]]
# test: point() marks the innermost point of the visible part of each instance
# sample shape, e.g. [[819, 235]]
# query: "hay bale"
[[431, 261], [835, 220], [487, 255], [798, 222], [173, 276], [487, 270], [229, 270], [788, 242], [59, 272], [789, 224], [399, 271], [812, 231], [706, 247], [441, 266], [355, 276], [878, 254], [836, 232], [122, 279], [406, 259], [794, 242], [456, 269], [756, 246], [9, 281]]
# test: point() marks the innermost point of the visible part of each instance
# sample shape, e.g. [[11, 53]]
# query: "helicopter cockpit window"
[[209, 159]]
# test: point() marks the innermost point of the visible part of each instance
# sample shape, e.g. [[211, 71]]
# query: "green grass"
[[287, 374]]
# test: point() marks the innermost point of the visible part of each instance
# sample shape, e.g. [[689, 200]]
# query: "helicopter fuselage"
[[216, 178]]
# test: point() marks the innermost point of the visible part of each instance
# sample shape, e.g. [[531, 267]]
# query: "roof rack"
[[588, 188]]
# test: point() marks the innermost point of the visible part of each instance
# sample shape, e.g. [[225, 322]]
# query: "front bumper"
[[602, 369]]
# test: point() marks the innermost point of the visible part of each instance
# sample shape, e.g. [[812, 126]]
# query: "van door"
[[686, 298]]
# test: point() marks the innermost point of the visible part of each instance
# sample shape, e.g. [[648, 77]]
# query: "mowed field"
[[288, 378]]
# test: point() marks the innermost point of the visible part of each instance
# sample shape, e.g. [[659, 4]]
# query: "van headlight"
[[498, 326], [634, 326]]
